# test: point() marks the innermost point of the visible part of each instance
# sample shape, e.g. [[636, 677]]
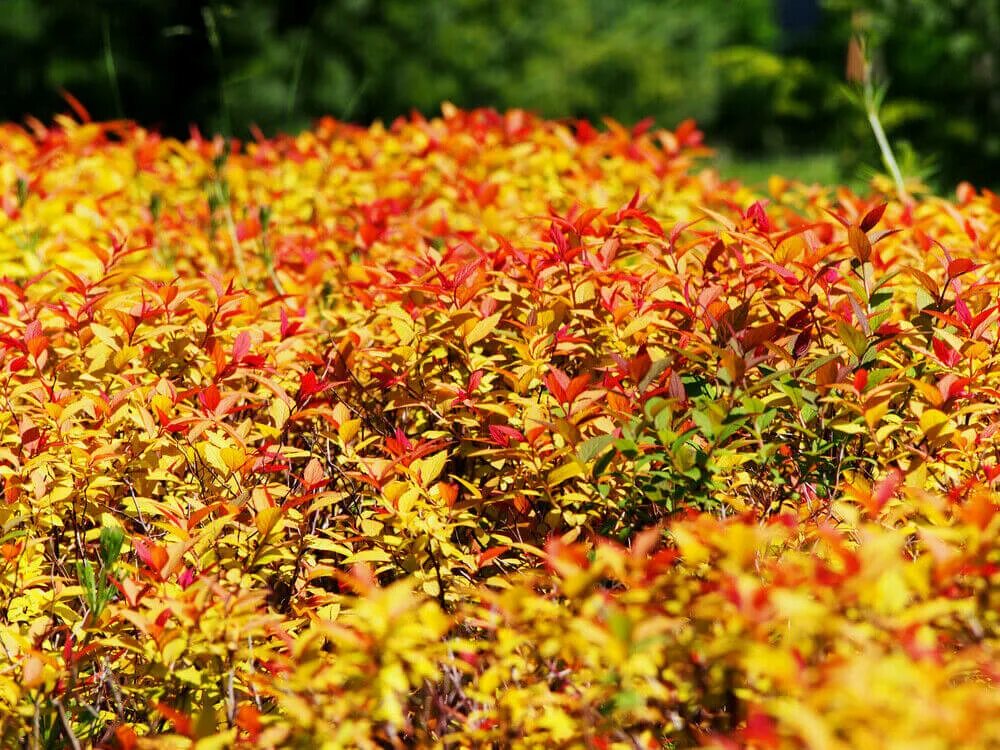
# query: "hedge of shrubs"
[[488, 431]]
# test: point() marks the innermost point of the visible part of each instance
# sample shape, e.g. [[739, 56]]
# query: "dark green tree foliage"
[[941, 60], [759, 75], [364, 60]]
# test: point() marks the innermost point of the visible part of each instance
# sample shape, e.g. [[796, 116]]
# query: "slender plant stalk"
[[216, 43], [888, 158], [112, 68], [860, 70]]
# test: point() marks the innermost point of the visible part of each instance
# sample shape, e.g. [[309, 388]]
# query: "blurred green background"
[[764, 78]]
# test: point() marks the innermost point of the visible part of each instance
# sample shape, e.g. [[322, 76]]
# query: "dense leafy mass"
[[488, 431]]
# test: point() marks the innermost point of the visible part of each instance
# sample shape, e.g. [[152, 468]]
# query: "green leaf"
[[854, 339], [85, 572], [112, 538], [924, 299], [602, 463], [590, 448]]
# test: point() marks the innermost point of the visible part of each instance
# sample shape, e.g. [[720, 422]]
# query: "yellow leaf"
[[128, 355], [874, 414], [348, 429], [233, 457], [431, 588], [278, 411], [431, 467], [930, 392], [162, 402], [402, 324], [213, 456], [585, 293], [369, 555], [266, 519], [173, 650], [482, 329], [564, 472], [393, 489], [329, 612], [105, 335], [637, 325], [189, 675], [935, 424], [407, 500]]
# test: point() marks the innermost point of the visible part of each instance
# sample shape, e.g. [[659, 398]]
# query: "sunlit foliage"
[[488, 431]]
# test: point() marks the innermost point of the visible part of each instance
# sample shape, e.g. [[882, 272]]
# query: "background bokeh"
[[764, 78]]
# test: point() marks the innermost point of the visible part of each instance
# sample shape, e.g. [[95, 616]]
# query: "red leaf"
[[151, 554], [74, 103], [126, 738], [872, 217], [503, 435], [783, 272], [287, 328], [556, 381], [859, 243], [248, 229], [713, 255], [649, 222], [951, 386], [369, 233], [761, 731], [490, 554], [34, 340], [585, 132], [945, 354], [861, 380], [248, 719], [181, 721], [758, 216], [399, 445], [639, 365], [884, 491], [963, 311], [585, 219], [961, 265], [642, 126], [449, 493], [979, 510], [474, 380], [801, 345], [186, 577], [798, 319], [841, 219], [687, 133], [209, 397], [634, 202], [311, 385], [465, 273], [241, 346], [577, 386]]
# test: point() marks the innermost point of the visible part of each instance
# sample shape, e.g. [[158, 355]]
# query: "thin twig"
[[73, 741]]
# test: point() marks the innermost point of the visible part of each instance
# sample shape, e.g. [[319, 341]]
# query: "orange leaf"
[[859, 243]]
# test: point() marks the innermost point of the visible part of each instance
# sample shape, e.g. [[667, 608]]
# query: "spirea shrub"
[[488, 431]]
